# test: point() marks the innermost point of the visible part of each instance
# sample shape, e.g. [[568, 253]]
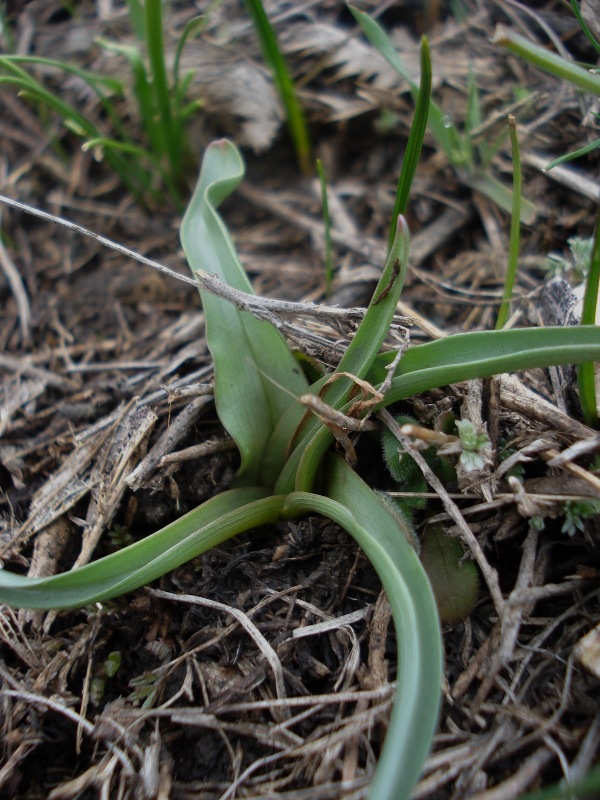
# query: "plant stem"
[[169, 135], [515, 227], [586, 374], [549, 62], [327, 225], [285, 85]]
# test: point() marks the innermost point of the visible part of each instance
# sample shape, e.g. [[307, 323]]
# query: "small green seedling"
[[576, 512], [474, 445], [575, 265]]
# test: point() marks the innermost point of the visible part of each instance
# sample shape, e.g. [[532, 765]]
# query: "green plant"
[[576, 265], [586, 80], [264, 402], [266, 419], [163, 158], [470, 159], [576, 512], [586, 375], [285, 85], [515, 227]]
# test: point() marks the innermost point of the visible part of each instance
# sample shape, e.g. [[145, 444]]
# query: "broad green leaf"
[[256, 376], [465, 356], [457, 358], [208, 525], [352, 504]]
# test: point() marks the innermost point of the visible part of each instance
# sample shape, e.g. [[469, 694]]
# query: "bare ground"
[[106, 384]]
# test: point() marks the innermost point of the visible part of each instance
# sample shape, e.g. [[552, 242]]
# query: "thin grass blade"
[[170, 130], [583, 24], [552, 63], [586, 375], [515, 228], [285, 85], [445, 134], [582, 151], [415, 139]]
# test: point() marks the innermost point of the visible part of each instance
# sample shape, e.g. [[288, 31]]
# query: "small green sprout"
[[145, 688], [574, 265], [576, 513], [109, 669], [112, 662], [119, 537], [473, 456]]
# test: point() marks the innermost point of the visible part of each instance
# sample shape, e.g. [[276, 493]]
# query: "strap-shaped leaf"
[[356, 361], [481, 354], [256, 376], [352, 504], [208, 525]]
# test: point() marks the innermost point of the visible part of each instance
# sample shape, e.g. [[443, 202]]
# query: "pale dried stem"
[[250, 628]]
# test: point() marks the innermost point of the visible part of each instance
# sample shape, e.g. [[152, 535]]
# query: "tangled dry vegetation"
[[261, 669]]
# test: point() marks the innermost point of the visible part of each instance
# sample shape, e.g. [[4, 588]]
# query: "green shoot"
[[583, 25], [577, 265], [169, 138], [473, 445], [586, 375], [285, 85], [552, 63], [515, 228], [162, 159], [327, 226], [415, 139], [457, 147]]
